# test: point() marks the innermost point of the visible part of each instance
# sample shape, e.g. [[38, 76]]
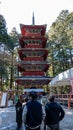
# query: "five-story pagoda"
[[33, 54]]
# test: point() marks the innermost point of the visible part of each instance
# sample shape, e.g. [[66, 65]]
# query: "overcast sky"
[[20, 11]]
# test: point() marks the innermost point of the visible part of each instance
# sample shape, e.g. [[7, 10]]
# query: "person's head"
[[26, 99], [51, 98], [18, 100], [44, 93], [33, 95]]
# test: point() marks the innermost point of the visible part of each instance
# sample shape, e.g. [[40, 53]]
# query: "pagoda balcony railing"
[[33, 73], [33, 59], [34, 62], [32, 34], [33, 46]]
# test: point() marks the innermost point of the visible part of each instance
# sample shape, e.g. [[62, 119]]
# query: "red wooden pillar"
[[69, 99]]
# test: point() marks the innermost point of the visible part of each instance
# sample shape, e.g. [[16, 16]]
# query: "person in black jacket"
[[33, 113], [18, 107], [54, 114]]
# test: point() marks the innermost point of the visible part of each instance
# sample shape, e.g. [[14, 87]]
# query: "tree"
[[3, 40], [9, 42], [14, 38], [3, 30], [59, 43]]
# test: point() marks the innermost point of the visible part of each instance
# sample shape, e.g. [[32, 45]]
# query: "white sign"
[[36, 90]]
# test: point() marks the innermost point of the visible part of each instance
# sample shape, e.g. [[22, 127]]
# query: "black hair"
[[51, 98], [44, 93], [33, 94], [26, 99]]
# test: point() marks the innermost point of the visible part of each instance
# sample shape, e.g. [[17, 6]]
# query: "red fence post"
[[68, 103]]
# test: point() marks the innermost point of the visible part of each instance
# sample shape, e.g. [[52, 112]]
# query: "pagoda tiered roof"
[[35, 30], [33, 80], [33, 54], [33, 66], [30, 52], [24, 40]]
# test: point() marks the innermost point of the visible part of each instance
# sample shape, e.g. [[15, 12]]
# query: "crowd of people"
[[33, 114]]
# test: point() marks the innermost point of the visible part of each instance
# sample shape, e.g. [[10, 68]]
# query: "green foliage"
[[60, 42], [3, 30], [10, 42], [14, 38]]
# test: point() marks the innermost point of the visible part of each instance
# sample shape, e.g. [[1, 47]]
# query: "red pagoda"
[[33, 54]]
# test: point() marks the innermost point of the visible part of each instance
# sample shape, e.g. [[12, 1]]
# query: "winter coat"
[[18, 112], [54, 113], [34, 114]]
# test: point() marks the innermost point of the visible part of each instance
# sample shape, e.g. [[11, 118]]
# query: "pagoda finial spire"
[[33, 19]]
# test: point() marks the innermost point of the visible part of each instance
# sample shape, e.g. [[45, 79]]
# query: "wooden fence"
[[65, 99]]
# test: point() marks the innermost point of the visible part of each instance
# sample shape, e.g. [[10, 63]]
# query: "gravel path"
[[7, 119]]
